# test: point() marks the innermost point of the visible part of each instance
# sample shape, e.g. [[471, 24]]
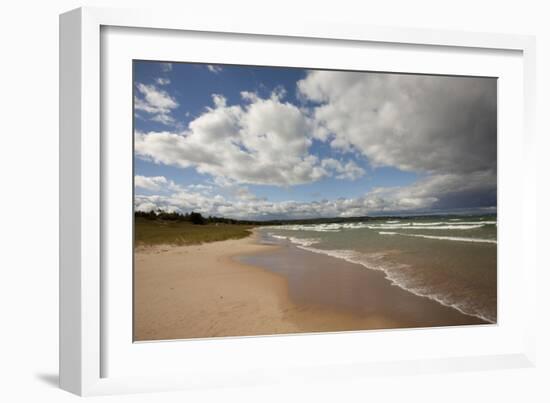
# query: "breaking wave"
[[390, 224], [446, 238], [426, 226], [297, 241]]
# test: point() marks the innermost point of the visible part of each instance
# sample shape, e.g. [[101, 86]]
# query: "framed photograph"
[[245, 204]]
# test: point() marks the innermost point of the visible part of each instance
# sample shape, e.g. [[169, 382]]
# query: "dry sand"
[[203, 291]]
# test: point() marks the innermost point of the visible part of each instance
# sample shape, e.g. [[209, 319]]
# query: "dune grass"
[[158, 232]]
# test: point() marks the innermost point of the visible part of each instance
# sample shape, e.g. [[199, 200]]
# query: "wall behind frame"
[[29, 167]]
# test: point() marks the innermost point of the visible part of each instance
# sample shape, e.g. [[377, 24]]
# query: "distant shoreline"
[[162, 228], [166, 217]]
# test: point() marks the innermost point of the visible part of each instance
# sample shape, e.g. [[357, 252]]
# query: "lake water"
[[450, 260]]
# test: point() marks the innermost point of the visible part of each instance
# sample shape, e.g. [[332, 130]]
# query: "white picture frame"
[[84, 343]]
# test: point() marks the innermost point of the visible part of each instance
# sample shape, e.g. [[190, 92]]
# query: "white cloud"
[[166, 67], [214, 68], [242, 193], [441, 128], [146, 206], [249, 96], [201, 188], [427, 194], [264, 141], [166, 120], [149, 183], [162, 81], [246, 205], [154, 183], [156, 102], [348, 170], [181, 201]]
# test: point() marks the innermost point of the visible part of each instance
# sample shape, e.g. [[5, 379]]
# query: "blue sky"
[[269, 142]]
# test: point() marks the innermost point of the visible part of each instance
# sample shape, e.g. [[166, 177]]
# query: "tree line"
[[192, 217], [199, 219]]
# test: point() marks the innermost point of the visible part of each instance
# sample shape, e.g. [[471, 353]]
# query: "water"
[[450, 260]]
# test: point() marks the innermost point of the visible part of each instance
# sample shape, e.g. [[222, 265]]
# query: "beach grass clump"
[[161, 232]]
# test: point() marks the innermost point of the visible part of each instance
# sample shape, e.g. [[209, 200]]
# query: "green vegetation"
[[194, 218], [157, 231]]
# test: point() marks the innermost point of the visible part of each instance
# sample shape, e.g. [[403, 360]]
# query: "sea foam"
[[390, 224], [426, 227], [298, 241], [445, 238]]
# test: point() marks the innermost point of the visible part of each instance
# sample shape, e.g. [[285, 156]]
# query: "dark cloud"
[[443, 127]]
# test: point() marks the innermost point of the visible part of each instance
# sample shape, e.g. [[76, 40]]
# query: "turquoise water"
[[450, 260]]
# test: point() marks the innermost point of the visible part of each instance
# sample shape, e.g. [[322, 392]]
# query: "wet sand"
[[243, 288], [316, 279]]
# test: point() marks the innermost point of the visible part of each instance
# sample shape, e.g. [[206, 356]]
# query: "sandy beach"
[[203, 291], [242, 287]]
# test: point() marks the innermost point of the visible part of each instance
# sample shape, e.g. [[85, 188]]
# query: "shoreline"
[[327, 254], [245, 288], [353, 287]]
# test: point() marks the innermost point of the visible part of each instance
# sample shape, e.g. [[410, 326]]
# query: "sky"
[[275, 142]]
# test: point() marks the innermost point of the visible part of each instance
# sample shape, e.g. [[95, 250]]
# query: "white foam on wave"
[[298, 241], [321, 227], [479, 222], [311, 227], [394, 272], [390, 224], [426, 227], [445, 238]]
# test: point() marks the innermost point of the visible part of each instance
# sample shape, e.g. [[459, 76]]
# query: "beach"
[[245, 287]]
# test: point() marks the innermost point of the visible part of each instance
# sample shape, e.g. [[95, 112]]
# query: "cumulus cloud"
[[443, 128], [181, 201], [214, 68], [246, 205], [162, 81], [263, 141], [411, 122], [436, 192], [432, 193], [155, 102], [348, 170], [154, 183], [166, 67], [200, 187], [149, 183]]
